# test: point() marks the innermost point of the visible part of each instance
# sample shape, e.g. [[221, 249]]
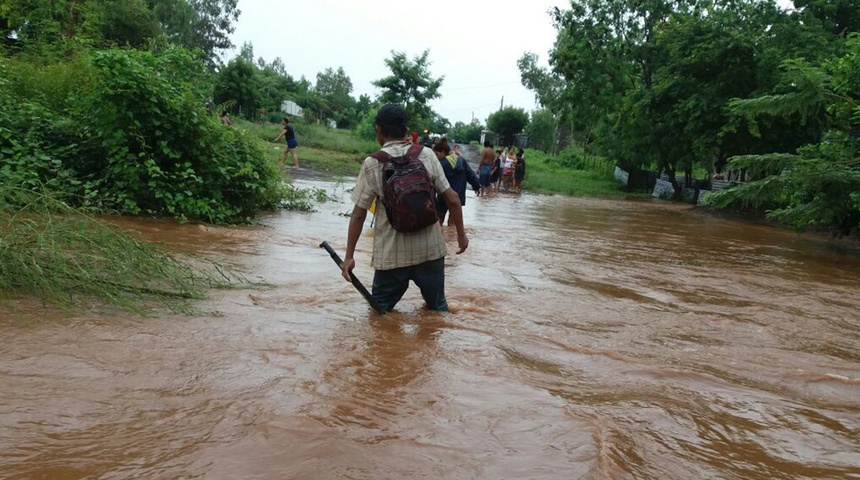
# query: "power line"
[[509, 102], [479, 86], [444, 89]]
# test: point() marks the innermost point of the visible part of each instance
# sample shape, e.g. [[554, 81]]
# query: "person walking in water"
[[399, 257], [457, 171], [289, 135], [485, 168], [508, 169], [519, 171]]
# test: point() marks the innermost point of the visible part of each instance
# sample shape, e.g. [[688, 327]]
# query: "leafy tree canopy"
[[466, 132], [508, 122], [411, 85], [238, 82], [541, 130], [839, 17], [199, 25]]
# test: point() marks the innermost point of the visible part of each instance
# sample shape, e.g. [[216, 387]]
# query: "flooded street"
[[592, 339]]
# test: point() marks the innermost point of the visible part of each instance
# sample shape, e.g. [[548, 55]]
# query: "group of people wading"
[[503, 167]]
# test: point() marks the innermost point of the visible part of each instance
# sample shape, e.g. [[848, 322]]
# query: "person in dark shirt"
[[457, 171], [485, 168], [496, 173], [519, 171], [426, 140], [289, 135]]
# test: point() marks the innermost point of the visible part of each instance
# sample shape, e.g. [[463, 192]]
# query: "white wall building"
[[291, 108]]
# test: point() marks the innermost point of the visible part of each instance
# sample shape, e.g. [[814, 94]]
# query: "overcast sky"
[[475, 44]]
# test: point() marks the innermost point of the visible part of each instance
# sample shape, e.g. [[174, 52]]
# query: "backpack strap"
[[381, 156], [415, 150]]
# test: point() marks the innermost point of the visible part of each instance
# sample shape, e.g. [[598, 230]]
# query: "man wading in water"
[[399, 257]]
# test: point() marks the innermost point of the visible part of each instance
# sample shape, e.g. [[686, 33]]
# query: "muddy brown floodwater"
[[590, 339]]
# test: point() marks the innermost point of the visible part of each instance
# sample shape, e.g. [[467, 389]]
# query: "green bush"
[[36, 143], [127, 131], [62, 255], [546, 173], [366, 129], [156, 151], [574, 158]]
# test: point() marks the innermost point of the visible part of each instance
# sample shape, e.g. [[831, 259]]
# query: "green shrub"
[[574, 158], [154, 150], [61, 255], [546, 173], [36, 143]]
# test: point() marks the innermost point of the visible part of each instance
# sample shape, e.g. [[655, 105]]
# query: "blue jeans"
[[390, 285]]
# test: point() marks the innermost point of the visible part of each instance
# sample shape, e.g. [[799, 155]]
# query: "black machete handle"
[[355, 282]]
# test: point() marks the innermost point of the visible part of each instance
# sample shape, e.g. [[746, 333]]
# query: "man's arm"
[[471, 177], [356, 224], [456, 217]]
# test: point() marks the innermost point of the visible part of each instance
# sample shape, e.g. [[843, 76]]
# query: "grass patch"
[[581, 183], [549, 174], [322, 149], [329, 161], [312, 136], [61, 255]]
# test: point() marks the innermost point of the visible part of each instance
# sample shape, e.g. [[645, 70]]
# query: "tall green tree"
[[126, 22], [238, 82], [819, 185], [412, 85], [202, 25], [34, 23], [603, 50], [542, 130], [467, 132], [546, 84], [275, 85], [508, 122], [334, 88], [839, 17], [699, 63]]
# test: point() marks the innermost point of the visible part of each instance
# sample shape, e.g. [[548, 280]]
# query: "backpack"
[[407, 191]]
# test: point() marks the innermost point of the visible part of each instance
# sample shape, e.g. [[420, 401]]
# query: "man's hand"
[[463, 243], [348, 265]]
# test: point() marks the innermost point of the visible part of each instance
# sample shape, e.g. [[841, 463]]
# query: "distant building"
[[521, 140], [488, 136], [291, 108]]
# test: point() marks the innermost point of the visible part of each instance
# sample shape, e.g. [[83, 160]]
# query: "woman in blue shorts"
[[289, 135], [485, 172]]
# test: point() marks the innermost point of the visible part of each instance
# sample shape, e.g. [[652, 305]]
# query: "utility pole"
[[502, 106]]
